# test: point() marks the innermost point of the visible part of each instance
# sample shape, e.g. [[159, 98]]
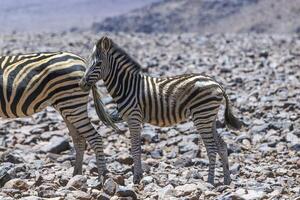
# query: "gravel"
[[261, 76]]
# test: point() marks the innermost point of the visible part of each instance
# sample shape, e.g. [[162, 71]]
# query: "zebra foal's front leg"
[[135, 127]]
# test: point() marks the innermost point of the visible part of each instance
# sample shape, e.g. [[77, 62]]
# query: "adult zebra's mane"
[[117, 50]]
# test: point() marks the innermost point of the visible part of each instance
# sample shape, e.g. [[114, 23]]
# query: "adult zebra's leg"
[[222, 151], [79, 145], [204, 127], [78, 117], [135, 126]]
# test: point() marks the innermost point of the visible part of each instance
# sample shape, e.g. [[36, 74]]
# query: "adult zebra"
[[30, 82], [160, 101]]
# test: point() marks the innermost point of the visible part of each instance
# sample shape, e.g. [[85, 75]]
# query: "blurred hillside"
[[57, 15], [209, 16]]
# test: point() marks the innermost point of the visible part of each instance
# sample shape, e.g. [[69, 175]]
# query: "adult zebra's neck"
[[124, 77]]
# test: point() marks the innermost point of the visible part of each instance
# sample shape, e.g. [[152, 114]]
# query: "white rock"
[[166, 192]]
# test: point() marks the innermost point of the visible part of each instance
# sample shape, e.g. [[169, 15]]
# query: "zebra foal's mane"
[[116, 51]]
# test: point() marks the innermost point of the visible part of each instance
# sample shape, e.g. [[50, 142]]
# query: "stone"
[[46, 191], [232, 196], [184, 127], [12, 157], [119, 179], [281, 171], [292, 138], [56, 145], [147, 180], [31, 198], [149, 135], [253, 195], [183, 162], [296, 147], [184, 190], [235, 168], [78, 182], [7, 172], [110, 186], [126, 192], [103, 196], [166, 192], [16, 184], [78, 195], [125, 158], [259, 129], [157, 154]]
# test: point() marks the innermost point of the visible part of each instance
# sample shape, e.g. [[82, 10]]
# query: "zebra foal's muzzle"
[[84, 85]]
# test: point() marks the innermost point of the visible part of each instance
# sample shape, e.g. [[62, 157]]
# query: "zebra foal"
[[30, 82], [160, 101]]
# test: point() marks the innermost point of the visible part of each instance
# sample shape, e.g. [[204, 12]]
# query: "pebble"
[[185, 190], [125, 158], [157, 154], [110, 186], [80, 195], [103, 196], [126, 192], [78, 182], [56, 145], [147, 180], [7, 172], [166, 192], [149, 135], [16, 184], [183, 162]]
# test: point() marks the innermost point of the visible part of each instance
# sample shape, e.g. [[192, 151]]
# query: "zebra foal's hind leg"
[[222, 151], [79, 145], [204, 126]]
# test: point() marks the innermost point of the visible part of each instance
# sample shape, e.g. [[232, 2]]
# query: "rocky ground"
[[261, 74]]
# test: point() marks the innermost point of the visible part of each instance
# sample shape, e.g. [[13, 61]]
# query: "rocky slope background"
[[208, 17], [260, 73]]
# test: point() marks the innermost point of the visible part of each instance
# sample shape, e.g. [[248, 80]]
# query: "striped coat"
[[163, 101], [31, 82]]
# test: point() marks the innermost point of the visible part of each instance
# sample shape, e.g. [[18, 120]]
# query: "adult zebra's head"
[[99, 65]]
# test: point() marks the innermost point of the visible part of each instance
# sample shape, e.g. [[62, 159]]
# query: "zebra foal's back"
[[168, 100]]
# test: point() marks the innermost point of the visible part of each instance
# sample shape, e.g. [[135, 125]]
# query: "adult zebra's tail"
[[106, 118]]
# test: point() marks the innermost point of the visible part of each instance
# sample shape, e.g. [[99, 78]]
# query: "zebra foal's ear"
[[105, 43]]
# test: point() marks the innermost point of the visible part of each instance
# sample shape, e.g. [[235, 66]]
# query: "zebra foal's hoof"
[[102, 178], [137, 178], [227, 181]]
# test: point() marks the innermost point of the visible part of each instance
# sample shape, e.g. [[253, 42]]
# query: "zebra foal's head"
[[98, 65]]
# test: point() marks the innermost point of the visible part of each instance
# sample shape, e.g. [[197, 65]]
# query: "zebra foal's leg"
[[135, 126], [222, 151], [204, 127], [79, 145]]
